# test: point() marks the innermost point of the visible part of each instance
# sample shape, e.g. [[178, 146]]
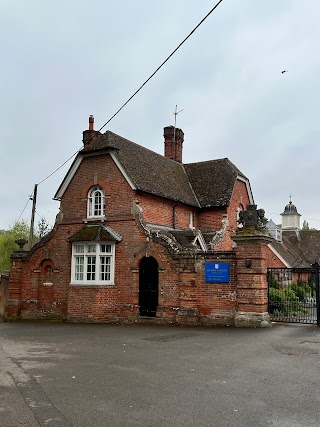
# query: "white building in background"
[[290, 217]]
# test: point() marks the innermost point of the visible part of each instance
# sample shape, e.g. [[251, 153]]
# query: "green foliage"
[[305, 225], [288, 301], [7, 242], [301, 289], [273, 283], [43, 227], [285, 302]]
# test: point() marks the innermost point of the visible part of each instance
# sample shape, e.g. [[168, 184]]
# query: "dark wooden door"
[[148, 287]]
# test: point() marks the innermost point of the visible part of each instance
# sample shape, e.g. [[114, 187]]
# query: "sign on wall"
[[217, 272]]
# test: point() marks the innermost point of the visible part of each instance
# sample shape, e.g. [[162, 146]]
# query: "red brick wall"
[[159, 210], [239, 196], [272, 260], [103, 170]]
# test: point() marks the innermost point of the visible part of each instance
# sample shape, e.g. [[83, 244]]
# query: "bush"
[[301, 289], [273, 283], [285, 302]]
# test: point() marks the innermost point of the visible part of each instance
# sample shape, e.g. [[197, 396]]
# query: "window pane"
[[105, 267], [79, 267], [91, 268], [106, 249], [91, 248], [79, 249], [98, 203], [90, 206]]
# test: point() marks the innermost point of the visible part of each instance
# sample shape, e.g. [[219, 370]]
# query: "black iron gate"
[[293, 294]]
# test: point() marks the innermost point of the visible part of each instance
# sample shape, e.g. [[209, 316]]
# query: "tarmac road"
[[61, 375]]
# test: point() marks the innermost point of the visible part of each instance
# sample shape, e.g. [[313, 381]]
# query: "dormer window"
[[96, 202]]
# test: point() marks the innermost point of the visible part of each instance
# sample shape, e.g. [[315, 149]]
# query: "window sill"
[[95, 218], [92, 285]]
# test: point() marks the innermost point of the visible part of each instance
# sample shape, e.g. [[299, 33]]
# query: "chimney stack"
[[90, 134], [173, 140]]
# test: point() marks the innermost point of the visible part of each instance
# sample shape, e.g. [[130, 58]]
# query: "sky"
[[64, 60]]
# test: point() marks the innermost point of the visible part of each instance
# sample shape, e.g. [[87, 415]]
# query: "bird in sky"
[[284, 71]]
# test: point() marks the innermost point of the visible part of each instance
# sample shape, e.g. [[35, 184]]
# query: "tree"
[[43, 227], [305, 225], [7, 242]]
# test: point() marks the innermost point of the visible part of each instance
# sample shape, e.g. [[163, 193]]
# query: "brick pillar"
[[13, 304], [252, 285]]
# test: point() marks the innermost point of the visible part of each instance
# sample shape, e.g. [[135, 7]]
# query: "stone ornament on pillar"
[[21, 242], [253, 218]]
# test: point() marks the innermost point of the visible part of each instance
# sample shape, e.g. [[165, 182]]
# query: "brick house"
[[134, 236]]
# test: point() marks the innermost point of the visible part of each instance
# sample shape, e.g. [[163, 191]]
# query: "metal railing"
[[293, 294]]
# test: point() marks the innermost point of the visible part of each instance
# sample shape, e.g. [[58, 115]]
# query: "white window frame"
[[88, 265], [239, 209], [94, 194]]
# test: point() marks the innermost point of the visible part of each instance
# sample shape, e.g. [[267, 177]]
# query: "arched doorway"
[[148, 287]]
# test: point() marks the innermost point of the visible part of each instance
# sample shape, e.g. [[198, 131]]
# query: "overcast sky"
[[64, 60]]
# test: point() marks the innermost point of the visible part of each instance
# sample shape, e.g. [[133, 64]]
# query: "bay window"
[[93, 263]]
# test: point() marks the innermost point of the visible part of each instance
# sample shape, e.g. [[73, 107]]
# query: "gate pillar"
[[252, 286], [13, 304]]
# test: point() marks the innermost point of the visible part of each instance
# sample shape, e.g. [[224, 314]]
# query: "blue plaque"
[[218, 272]]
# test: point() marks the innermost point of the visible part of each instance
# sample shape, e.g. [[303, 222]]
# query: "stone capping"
[[252, 236]]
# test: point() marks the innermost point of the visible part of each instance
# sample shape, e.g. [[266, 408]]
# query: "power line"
[[143, 84], [163, 63], [56, 170], [24, 209]]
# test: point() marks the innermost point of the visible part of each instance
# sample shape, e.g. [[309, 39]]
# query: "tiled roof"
[[213, 181], [299, 249], [200, 184], [307, 244]]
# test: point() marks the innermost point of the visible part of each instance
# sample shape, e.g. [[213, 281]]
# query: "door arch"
[[148, 287]]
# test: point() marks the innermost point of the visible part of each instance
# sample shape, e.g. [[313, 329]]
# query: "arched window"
[[96, 202], [239, 209]]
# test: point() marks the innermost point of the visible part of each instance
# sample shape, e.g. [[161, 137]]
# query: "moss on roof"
[[90, 233]]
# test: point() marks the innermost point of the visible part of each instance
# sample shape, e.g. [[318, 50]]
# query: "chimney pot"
[[90, 134], [91, 122]]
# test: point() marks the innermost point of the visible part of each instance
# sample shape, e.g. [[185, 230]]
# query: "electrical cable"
[[143, 84], [23, 209]]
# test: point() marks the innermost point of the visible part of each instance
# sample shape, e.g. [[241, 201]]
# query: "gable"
[[75, 167]]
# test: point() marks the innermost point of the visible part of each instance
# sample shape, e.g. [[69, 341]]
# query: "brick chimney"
[[173, 140], [90, 134]]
